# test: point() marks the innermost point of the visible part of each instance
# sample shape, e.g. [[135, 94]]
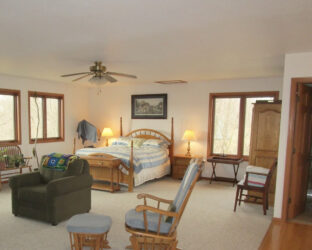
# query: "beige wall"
[[76, 109], [187, 103], [296, 65]]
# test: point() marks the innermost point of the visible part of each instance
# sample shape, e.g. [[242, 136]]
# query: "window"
[[230, 117], [46, 117], [10, 122]]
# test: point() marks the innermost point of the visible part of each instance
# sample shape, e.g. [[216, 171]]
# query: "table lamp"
[[188, 136], [107, 132]]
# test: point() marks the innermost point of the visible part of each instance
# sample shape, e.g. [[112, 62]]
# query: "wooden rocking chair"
[[155, 228]]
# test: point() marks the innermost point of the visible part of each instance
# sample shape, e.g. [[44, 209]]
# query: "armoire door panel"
[[264, 139]]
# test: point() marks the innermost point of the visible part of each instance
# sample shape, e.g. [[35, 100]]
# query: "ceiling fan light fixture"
[[98, 80]]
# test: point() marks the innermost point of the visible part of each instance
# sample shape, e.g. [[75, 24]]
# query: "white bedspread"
[[143, 158]]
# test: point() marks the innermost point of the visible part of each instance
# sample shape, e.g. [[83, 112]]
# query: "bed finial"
[[120, 125]]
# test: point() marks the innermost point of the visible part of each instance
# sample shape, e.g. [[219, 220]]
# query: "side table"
[[224, 160]]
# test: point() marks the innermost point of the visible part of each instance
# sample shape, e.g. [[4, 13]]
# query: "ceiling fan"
[[99, 74]]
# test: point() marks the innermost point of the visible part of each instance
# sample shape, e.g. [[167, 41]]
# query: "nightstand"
[[180, 164]]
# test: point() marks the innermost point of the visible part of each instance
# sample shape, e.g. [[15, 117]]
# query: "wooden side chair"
[[256, 179], [154, 228]]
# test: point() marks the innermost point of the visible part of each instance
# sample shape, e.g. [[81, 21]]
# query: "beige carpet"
[[208, 221]]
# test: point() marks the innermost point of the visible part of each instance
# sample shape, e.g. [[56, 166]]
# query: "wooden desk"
[[231, 161]]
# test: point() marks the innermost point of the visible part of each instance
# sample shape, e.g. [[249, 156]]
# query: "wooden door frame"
[[290, 142]]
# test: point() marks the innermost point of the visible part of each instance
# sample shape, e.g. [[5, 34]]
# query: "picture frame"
[[150, 106]]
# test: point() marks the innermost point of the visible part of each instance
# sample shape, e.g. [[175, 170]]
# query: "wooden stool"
[[88, 230]]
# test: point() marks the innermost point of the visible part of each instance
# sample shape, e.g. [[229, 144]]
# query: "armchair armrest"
[[23, 180], [141, 208], [152, 197], [69, 184]]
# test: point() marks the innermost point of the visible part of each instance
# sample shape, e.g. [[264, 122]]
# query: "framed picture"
[[152, 106]]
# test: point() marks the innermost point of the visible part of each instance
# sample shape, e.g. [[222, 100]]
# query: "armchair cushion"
[[69, 184], [136, 220], [37, 194]]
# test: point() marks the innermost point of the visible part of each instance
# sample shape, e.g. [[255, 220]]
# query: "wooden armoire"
[[264, 139]]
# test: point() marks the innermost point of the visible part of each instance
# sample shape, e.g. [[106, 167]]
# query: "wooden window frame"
[[242, 96], [45, 95], [17, 116]]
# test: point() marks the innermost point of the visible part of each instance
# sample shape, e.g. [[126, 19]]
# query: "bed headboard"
[[153, 134]]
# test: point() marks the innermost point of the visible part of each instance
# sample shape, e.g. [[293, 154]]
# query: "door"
[[301, 152]]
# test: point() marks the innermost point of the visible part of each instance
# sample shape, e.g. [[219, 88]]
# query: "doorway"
[[297, 204]]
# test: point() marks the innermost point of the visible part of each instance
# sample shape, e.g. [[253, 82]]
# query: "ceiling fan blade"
[[82, 77], [75, 74], [109, 78], [121, 74]]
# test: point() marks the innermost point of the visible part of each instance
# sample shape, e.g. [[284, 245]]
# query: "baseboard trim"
[[276, 220]]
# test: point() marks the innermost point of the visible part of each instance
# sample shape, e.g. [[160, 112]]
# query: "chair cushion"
[[188, 178], [171, 208], [37, 194], [256, 169], [256, 180], [89, 223], [136, 220]]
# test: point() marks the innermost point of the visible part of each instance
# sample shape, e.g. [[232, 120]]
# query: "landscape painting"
[[152, 106]]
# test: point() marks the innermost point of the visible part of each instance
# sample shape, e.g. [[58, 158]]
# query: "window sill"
[[31, 141]]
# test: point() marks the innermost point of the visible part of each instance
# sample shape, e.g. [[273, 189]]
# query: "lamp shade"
[[107, 132], [189, 135]]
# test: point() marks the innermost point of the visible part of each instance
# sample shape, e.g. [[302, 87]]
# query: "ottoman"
[[88, 230]]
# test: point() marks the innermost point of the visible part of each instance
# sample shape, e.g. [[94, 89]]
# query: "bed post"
[[172, 142], [131, 177], [120, 126]]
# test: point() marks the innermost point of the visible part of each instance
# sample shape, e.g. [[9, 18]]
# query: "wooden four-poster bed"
[[108, 168]]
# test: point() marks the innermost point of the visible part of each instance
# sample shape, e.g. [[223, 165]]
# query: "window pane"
[[226, 123], [52, 118], [34, 111], [248, 120], [7, 127]]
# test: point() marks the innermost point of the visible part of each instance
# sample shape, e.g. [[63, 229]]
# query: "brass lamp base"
[[188, 153]]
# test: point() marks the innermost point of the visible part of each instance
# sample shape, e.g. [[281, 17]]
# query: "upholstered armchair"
[[155, 228], [52, 195]]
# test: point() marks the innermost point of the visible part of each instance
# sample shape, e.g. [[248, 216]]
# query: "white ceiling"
[[193, 40]]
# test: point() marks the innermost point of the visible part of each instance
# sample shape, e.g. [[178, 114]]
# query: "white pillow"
[[155, 143]]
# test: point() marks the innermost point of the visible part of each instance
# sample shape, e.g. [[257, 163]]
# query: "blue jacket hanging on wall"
[[86, 131]]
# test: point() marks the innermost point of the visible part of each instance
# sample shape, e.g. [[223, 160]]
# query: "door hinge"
[[294, 151], [297, 98], [289, 200]]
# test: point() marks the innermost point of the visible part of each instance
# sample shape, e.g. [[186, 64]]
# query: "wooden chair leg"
[[240, 196], [267, 201], [236, 197], [174, 245], [134, 242], [264, 199]]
